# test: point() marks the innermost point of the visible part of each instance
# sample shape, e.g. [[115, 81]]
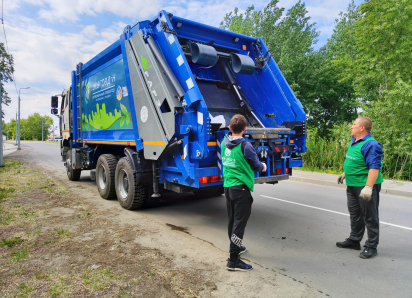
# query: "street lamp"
[[18, 133]]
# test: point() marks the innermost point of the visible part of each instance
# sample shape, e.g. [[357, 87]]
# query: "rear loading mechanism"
[[169, 88]]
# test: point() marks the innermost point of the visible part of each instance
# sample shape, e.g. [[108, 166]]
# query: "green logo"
[[227, 152], [88, 92], [144, 63]]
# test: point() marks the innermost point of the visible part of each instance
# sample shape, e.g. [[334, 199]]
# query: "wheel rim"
[[123, 185], [101, 174]]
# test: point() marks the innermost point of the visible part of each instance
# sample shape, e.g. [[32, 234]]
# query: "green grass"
[[99, 278], [19, 270], [24, 290], [5, 191], [49, 187], [20, 254], [60, 289], [12, 241], [5, 217], [62, 232], [40, 275]]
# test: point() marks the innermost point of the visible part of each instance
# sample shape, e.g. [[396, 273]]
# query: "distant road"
[[292, 231]]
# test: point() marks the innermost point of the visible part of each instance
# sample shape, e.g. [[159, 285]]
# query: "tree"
[[6, 72], [331, 100], [31, 128], [327, 100], [311, 74], [374, 54], [382, 39], [10, 129], [254, 23], [386, 82], [289, 37]]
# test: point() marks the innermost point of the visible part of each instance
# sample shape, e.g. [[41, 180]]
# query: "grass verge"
[[55, 244]]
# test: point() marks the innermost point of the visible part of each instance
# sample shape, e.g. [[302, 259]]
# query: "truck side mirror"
[[54, 102], [54, 111]]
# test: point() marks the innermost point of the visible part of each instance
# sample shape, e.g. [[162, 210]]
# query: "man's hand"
[[341, 177], [366, 193], [264, 167]]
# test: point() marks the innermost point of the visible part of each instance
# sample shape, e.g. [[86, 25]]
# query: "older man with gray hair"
[[362, 171]]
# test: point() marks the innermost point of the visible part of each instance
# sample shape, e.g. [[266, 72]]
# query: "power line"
[[7, 46]]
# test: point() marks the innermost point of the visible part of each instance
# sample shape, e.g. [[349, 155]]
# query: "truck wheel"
[[105, 173], [72, 174], [130, 194]]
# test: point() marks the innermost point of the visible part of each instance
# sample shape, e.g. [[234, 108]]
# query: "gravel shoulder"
[[73, 243]]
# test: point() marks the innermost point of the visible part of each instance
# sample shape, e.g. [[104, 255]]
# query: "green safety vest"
[[356, 171], [236, 169]]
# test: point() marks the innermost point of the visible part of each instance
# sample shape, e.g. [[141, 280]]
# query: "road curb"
[[389, 191]]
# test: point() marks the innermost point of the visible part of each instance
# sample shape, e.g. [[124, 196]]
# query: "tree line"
[[30, 128], [365, 69]]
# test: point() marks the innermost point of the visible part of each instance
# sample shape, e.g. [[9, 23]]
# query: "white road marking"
[[331, 211]]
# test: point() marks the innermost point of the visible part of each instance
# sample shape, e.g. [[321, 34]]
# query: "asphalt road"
[[292, 231]]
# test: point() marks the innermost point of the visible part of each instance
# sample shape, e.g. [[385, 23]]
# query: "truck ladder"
[[79, 101]]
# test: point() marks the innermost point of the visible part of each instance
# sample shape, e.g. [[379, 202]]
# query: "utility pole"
[[16, 130], [42, 139], [53, 129], [1, 129]]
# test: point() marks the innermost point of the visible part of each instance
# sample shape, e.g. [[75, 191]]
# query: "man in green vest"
[[362, 171], [240, 163]]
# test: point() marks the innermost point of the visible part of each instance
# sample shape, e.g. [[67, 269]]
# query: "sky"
[[48, 38]]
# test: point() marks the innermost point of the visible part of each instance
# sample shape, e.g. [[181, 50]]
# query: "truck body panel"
[[154, 92]]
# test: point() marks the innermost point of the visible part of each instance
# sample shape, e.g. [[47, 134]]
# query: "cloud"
[[63, 10], [44, 59]]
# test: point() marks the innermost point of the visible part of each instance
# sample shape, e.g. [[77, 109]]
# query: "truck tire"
[[105, 174], [72, 174], [130, 193]]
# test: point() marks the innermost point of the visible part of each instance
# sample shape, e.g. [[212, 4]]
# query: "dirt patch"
[[69, 248]]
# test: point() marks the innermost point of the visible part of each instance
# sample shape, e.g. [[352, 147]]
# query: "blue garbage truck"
[[148, 114]]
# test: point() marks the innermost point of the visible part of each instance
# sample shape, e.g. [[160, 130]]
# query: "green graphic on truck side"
[[101, 120], [105, 99]]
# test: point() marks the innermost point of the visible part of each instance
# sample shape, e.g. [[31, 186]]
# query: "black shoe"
[[368, 253], [349, 243], [239, 265], [242, 250]]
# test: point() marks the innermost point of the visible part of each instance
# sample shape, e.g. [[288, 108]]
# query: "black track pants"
[[239, 206], [363, 214]]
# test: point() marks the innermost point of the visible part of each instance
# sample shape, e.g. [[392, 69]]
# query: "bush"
[[328, 154]]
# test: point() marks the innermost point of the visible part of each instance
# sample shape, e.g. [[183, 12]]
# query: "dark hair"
[[367, 122], [238, 123]]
